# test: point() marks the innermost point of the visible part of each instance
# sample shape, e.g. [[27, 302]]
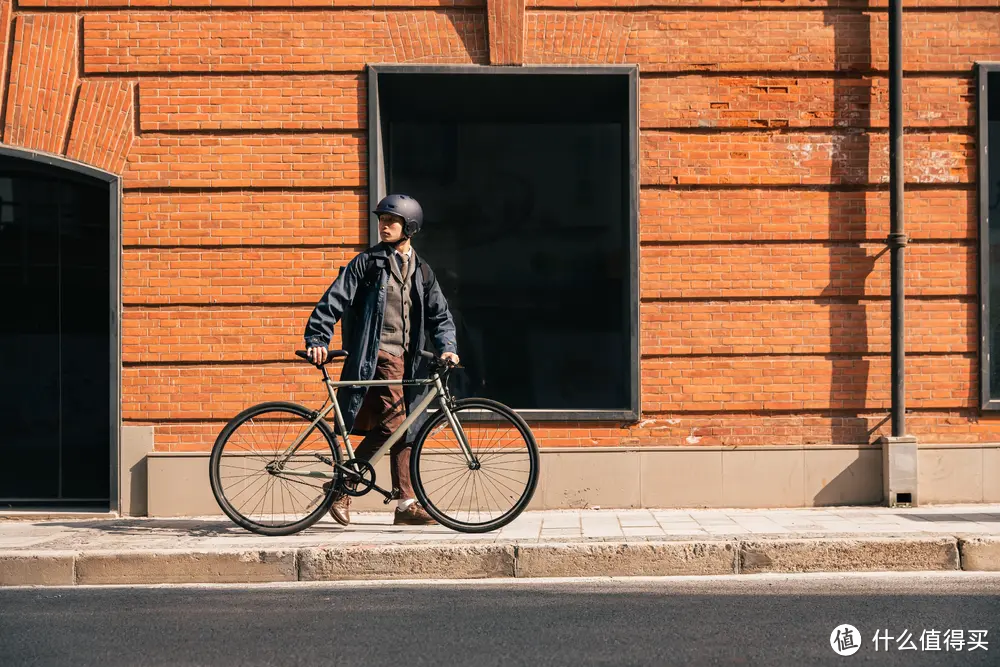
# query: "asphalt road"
[[759, 620]]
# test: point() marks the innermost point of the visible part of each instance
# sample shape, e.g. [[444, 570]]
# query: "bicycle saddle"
[[330, 355]]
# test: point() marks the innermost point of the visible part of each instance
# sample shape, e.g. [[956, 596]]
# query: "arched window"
[[58, 333]]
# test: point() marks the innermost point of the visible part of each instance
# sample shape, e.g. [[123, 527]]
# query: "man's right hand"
[[317, 355]]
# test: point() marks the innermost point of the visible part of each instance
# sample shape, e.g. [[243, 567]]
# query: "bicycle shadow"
[[200, 527], [360, 526]]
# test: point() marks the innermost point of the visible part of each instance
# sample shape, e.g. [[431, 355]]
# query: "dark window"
[[989, 232], [55, 338], [527, 189]]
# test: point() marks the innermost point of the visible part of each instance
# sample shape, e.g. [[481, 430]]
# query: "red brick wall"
[[240, 134]]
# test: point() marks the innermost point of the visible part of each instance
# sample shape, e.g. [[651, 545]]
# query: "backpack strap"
[[425, 274]]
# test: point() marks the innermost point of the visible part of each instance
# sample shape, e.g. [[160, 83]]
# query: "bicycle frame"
[[438, 393]]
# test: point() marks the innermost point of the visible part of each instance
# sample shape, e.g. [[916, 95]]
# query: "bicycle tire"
[[445, 516], [215, 465]]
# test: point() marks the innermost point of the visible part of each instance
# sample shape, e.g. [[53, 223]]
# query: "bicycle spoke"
[[260, 495], [494, 490]]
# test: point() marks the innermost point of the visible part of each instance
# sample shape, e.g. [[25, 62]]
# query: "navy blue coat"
[[361, 288]]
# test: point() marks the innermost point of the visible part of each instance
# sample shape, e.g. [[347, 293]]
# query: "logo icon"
[[845, 640]]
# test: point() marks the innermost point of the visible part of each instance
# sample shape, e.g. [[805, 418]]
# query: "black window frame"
[[982, 139], [377, 190], [113, 182]]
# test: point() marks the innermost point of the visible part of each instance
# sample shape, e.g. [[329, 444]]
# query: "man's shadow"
[[851, 263]]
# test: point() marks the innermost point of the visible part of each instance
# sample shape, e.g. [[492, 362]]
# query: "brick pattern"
[[506, 31], [670, 272], [291, 161], [783, 271], [5, 36], [794, 327], [42, 82], [245, 218], [757, 215], [724, 429], [812, 4], [233, 276], [754, 109], [341, 41], [780, 383], [214, 392], [250, 4], [803, 383], [712, 41], [326, 102], [244, 333], [796, 158], [103, 129], [577, 38], [561, 4], [801, 102], [251, 334]]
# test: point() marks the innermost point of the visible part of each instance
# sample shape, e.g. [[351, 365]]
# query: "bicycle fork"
[[456, 427]]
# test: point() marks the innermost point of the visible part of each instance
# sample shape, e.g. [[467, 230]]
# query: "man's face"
[[390, 227]]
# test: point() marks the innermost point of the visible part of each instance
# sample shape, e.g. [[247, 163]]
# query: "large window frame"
[[114, 185], [982, 139], [377, 190]]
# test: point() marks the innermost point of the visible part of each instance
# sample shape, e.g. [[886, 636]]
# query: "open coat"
[[360, 292]]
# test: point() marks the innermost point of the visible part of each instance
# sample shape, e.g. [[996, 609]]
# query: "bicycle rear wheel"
[[496, 488], [253, 489]]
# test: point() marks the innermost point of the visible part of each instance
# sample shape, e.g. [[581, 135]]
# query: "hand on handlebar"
[[448, 358]]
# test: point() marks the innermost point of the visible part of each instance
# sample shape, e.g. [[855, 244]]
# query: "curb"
[[580, 559]]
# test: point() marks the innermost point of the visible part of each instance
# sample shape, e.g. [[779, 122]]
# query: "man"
[[394, 301]]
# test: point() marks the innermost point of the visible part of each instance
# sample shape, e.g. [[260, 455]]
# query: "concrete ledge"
[[980, 554], [179, 567], [407, 562], [52, 568], [626, 559], [850, 555], [477, 561]]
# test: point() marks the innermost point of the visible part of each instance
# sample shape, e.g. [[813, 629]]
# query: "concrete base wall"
[[648, 477], [959, 473], [176, 484]]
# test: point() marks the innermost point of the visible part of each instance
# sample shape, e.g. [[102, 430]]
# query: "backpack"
[[369, 281]]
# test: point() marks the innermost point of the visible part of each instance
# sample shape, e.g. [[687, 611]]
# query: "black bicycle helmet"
[[405, 207]]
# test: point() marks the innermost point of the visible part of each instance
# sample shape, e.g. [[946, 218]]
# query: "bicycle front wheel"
[[495, 488], [259, 488]]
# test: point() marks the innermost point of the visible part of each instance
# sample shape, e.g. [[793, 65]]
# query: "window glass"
[[54, 339], [527, 229], [993, 153]]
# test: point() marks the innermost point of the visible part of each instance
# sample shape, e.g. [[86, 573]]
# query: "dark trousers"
[[382, 411]]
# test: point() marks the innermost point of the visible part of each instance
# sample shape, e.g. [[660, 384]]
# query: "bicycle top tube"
[[379, 383]]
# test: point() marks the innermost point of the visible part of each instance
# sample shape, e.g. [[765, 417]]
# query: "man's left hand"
[[450, 357]]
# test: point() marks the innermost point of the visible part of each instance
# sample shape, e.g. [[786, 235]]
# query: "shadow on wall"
[[860, 483], [849, 165]]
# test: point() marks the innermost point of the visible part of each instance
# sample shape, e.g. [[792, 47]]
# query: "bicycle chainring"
[[357, 487]]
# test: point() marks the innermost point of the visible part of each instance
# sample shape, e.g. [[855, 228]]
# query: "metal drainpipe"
[[897, 237]]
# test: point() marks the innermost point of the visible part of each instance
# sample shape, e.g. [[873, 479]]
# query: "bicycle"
[[441, 472]]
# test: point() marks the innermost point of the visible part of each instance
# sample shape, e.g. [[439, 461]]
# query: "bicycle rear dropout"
[[276, 467]]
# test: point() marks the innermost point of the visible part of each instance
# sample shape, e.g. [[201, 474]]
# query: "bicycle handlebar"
[[438, 361]]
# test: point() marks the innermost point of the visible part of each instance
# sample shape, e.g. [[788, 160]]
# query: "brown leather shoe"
[[340, 510], [414, 515]]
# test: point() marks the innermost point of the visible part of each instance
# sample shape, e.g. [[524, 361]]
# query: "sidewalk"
[[537, 544]]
